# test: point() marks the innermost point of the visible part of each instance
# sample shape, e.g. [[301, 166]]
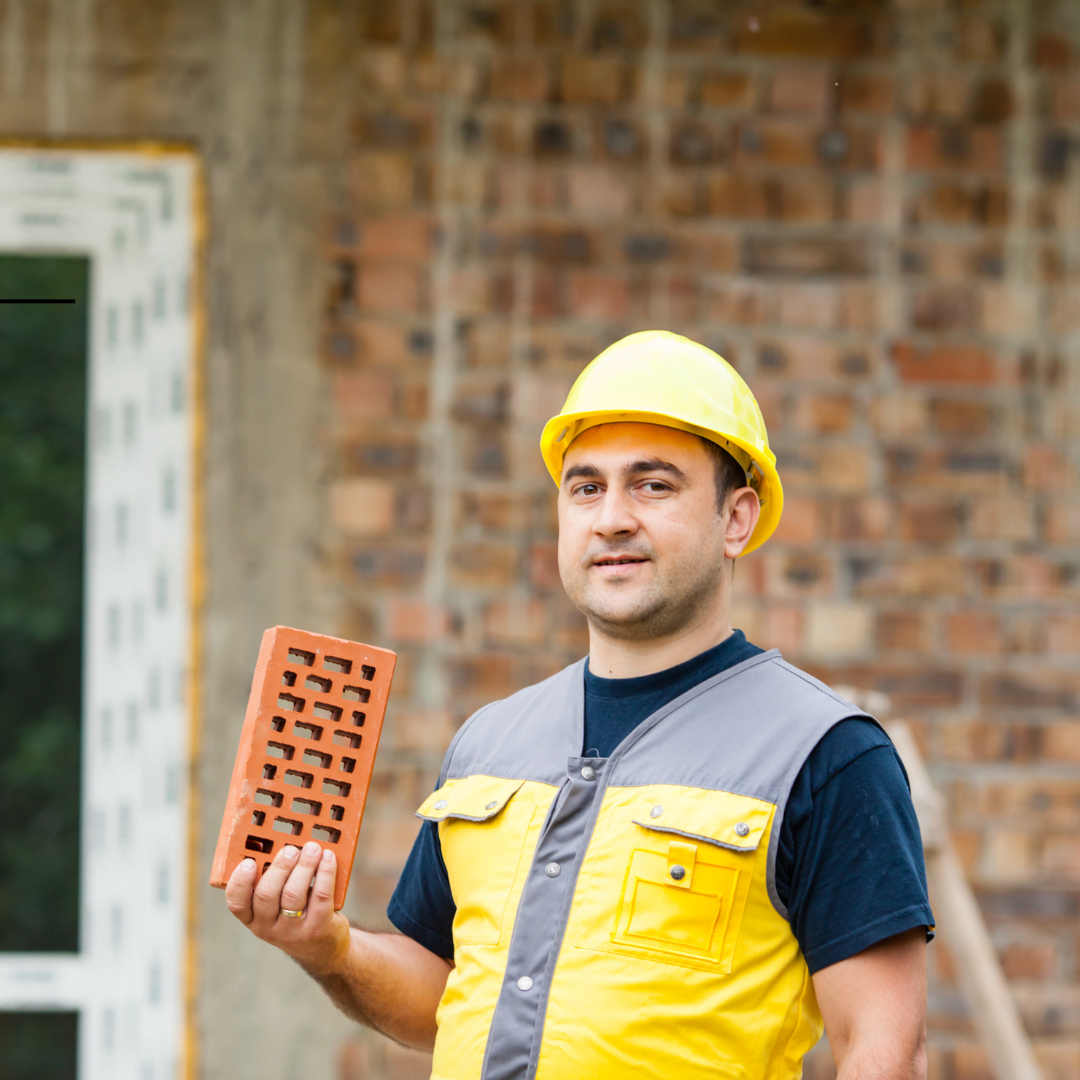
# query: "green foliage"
[[38, 1046], [43, 366]]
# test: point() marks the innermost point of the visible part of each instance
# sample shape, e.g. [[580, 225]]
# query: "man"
[[676, 858]]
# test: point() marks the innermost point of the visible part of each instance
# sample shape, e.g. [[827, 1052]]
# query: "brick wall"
[[873, 211]]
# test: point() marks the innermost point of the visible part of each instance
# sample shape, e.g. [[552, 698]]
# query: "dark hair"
[[727, 472]]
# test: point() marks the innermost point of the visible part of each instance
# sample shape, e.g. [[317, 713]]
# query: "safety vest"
[[618, 917]]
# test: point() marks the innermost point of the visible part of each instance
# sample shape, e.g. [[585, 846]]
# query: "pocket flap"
[[730, 821], [472, 798]]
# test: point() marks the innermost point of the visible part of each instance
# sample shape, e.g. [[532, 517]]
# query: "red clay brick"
[[308, 689], [519, 78], [944, 363], [726, 89], [974, 632]]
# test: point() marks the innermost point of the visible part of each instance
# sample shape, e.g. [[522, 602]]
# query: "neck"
[[618, 658]]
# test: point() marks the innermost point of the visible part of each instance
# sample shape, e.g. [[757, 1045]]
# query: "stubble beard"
[[669, 603]]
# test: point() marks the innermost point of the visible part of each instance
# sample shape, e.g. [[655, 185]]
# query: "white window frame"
[[136, 213]]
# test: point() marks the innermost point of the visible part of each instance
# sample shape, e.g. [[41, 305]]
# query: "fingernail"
[[327, 856], [248, 865], [311, 848], [290, 853]]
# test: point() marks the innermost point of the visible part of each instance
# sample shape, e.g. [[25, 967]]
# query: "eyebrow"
[[633, 469]]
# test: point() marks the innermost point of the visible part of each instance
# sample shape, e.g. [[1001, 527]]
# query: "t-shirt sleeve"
[[422, 906], [849, 864]]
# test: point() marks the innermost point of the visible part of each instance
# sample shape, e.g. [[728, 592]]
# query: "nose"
[[615, 514]]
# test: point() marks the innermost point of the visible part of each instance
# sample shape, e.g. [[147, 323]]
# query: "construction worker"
[[679, 857]]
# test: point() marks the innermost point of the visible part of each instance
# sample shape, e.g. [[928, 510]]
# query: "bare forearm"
[[883, 1063], [388, 982]]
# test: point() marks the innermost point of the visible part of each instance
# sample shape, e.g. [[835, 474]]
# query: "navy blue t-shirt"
[[849, 864]]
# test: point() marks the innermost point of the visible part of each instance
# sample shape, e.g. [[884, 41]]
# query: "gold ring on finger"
[[292, 914]]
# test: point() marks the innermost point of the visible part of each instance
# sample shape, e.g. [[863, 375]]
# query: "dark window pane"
[[38, 1046], [43, 364]]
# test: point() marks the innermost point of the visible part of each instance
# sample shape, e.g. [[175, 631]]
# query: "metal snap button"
[[442, 804], [492, 805], [524, 983], [588, 773], [553, 869], [678, 872], [656, 811], [742, 829]]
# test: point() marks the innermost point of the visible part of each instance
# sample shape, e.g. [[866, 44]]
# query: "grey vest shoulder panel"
[[748, 731]]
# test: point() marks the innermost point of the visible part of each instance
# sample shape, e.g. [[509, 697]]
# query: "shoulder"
[[854, 751], [499, 730]]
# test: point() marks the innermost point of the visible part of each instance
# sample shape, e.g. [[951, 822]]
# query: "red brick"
[[599, 189], [800, 522], [364, 396], [803, 90], [931, 575], [1052, 52], [930, 521], [391, 288], [597, 295], [903, 630], [1066, 99], [1063, 522], [384, 178], [519, 78], [726, 89], [863, 92], [398, 236], [796, 32], [974, 632], [1005, 517], [978, 147], [1063, 634], [515, 622], [415, 621], [321, 684], [944, 363], [961, 416], [782, 628], [1046, 468], [354, 1060], [483, 564], [594, 80], [825, 412], [362, 507], [544, 566]]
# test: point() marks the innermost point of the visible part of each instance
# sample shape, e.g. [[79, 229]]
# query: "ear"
[[743, 513]]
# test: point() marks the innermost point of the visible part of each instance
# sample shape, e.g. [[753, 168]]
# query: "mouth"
[[619, 560]]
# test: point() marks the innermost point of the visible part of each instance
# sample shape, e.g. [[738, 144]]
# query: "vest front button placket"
[[553, 869], [524, 983], [588, 773]]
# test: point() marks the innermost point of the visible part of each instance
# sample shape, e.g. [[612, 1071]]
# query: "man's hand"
[[295, 881], [387, 981], [874, 1007]]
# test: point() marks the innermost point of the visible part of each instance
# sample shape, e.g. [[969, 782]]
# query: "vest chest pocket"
[[483, 826], [685, 878]]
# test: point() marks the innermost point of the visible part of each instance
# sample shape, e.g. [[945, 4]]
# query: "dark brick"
[[377, 456], [387, 566], [553, 138], [806, 257], [645, 247]]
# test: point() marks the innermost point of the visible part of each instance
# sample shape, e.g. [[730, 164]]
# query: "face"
[[642, 542]]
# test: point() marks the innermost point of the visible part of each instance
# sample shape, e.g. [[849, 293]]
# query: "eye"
[[656, 487], [588, 489]]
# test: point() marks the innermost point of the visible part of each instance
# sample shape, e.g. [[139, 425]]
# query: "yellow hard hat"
[[656, 377]]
